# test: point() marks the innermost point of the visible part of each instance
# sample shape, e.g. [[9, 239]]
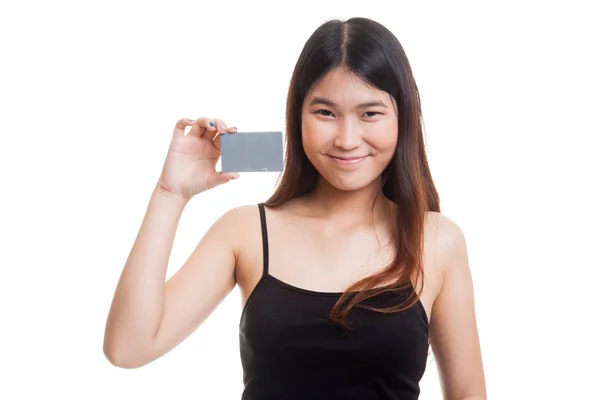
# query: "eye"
[[371, 114], [325, 113]]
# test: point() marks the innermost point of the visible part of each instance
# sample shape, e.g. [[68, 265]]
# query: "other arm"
[[453, 332]]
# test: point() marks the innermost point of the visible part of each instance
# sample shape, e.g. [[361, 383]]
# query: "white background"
[[90, 93]]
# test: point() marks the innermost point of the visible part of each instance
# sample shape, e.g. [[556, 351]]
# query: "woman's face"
[[349, 130]]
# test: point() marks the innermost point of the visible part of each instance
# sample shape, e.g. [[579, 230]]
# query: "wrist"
[[171, 196]]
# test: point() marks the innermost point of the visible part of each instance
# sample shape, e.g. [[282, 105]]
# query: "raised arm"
[[149, 316]]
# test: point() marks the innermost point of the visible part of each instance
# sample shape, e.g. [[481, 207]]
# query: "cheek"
[[391, 141], [315, 134], [385, 138]]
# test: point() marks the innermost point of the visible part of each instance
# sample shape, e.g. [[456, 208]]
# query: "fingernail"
[[212, 124]]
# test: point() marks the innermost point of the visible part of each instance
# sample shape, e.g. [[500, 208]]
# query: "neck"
[[358, 206]]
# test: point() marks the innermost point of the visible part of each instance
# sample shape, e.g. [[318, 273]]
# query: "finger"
[[222, 129], [221, 125], [220, 178], [217, 139], [201, 126], [225, 177], [182, 124]]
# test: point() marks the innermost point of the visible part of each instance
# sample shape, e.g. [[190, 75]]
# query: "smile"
[[347, 160]]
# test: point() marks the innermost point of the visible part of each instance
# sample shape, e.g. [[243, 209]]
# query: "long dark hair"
[[373, 53]]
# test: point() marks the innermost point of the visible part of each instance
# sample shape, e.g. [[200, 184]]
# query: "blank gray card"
[[252, 152]]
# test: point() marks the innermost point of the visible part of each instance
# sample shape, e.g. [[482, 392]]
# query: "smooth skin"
[[349, 133]]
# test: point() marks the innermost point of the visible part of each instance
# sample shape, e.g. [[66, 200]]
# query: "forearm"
[[137, 307]]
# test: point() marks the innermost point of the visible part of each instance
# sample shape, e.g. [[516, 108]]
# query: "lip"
[[347, 160]]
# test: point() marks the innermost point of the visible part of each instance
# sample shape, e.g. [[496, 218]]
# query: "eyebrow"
[[329, 103]]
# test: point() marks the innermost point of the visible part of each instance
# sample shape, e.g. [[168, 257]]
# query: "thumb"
[[220, 178]]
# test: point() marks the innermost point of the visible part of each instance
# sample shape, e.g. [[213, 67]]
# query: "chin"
[[350, 183]]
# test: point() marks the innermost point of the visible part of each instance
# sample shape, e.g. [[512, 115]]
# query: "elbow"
[[123, 362], [124, 356]]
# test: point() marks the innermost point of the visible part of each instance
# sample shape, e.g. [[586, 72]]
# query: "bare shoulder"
[[237, 223], [236, 231], [243, 228], [446, 238], [444, 249], [239, 213], [443, 225]]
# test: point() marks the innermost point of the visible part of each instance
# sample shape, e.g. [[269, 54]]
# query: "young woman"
[[349, 271]]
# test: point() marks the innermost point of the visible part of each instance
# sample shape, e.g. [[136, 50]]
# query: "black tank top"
[[291, 350]]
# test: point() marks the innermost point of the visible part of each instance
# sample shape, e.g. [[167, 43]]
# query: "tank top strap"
[[265, 238]]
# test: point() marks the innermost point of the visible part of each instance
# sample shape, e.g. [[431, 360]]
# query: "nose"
[[348, 136]]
